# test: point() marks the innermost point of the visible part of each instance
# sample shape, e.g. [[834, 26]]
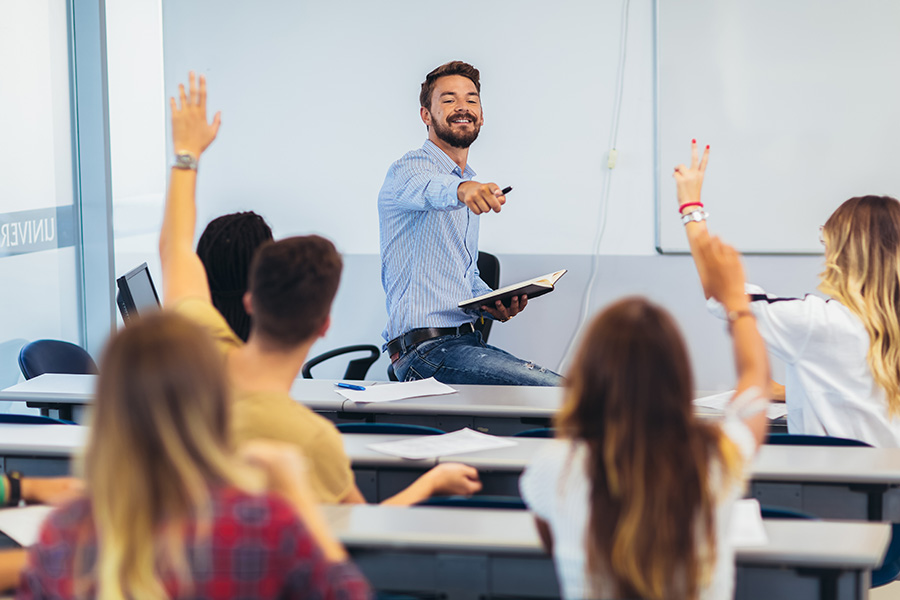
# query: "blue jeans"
[[466, 359]]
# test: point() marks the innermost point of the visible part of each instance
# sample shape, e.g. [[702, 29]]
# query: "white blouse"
[[556, 488], [828, 383]]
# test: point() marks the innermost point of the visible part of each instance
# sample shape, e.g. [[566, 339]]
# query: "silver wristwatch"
[[185, 160], [694, 216]]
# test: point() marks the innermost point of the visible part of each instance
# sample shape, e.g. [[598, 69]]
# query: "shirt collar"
[[445, 161]]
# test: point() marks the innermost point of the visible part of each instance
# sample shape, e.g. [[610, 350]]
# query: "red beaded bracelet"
[[686, 204]]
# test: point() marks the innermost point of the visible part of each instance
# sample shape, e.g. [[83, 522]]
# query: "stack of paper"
[[24, 524], [385, 392], [717, 402], [747, 527], [433, 446]]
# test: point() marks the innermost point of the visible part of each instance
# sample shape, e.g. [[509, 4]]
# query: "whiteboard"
[[320, 97], [800, 102]]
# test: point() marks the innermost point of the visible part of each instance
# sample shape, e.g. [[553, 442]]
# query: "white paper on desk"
[[23, 524], [746, 527], [433, 446], [775, 410], [397, 391]]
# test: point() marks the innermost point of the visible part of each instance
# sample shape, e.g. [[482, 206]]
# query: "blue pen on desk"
[[350, 386]]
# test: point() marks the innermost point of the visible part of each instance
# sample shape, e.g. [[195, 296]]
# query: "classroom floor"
[[887, 592]]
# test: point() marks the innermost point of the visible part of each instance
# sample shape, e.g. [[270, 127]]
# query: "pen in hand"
[[506, 190]]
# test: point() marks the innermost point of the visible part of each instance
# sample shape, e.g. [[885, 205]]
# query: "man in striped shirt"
[[428, 213]]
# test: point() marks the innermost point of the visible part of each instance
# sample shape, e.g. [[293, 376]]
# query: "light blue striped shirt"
[[429, 243]]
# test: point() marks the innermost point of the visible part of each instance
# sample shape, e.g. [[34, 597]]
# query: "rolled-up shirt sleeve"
[[418, 185]]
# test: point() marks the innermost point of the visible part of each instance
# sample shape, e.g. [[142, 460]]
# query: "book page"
[[24, 524], [433, 446]]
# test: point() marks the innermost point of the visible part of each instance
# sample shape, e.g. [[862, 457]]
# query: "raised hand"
[[689, 180], [191, 133]]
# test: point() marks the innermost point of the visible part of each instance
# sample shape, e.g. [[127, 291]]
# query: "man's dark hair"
[[292, 284], [456, 67], [226, 249]]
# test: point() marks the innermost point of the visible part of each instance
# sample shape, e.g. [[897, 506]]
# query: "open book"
[[531, 288]]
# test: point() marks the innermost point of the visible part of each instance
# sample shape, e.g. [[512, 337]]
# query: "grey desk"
[[842, 483], [469, 554], [67, 395], [40, 450], [829, 482], [495, 409], [499, 410]]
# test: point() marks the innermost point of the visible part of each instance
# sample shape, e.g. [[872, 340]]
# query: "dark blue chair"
[[792, 439], [890, 568], [31, 420], [776, 512], [388, 428], [540, 432], [55, 356], [499, 502]]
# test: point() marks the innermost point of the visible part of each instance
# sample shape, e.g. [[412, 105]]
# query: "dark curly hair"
[[226, 248]]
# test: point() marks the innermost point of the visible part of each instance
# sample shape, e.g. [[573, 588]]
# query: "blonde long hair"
[[862, 272], [651, 529], [158, 444]]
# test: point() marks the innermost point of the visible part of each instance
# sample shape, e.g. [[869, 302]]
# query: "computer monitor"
[[136, 294]]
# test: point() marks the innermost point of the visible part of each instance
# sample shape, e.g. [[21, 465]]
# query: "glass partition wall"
[[55, 247]]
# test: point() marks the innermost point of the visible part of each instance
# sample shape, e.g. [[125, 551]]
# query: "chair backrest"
[[500, 502], [356, 368], [777, 512], [388, 428], [792, 439], [541, 432], [55, 356], [16, 419], [489, 270]]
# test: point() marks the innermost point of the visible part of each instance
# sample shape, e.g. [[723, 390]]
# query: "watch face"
[[185, 161]]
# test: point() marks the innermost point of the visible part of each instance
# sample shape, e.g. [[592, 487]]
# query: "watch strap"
[[15, 488], [695, 216], [185, 160]]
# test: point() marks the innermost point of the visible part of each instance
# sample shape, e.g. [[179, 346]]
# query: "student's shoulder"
[[275, 415], [253, 509], [554, 456], [201, 312]]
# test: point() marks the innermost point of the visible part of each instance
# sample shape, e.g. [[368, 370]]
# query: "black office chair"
[[489, 269], [890, 568], [356, 368], [55, 356]]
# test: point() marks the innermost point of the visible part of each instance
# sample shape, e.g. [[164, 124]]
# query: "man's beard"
[[457, 139]]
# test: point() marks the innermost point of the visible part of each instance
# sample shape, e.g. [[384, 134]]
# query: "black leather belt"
[[412, 337]]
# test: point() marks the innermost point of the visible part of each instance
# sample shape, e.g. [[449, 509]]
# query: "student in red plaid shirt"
[[170, 511]]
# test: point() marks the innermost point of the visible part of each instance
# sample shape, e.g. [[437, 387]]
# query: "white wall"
[[628, 263]]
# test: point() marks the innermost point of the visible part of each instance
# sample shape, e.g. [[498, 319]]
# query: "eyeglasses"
[[822, 234]]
